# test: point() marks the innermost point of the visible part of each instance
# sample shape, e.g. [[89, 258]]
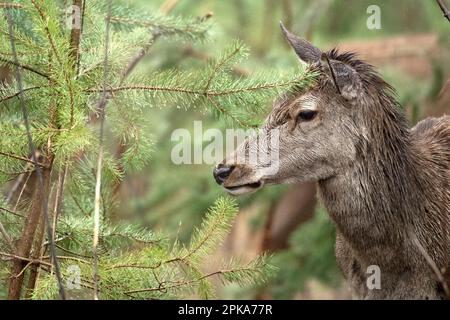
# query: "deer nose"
[[221, 172]]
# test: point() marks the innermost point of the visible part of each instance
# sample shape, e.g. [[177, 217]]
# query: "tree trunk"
[[35, 214], [36, 254]]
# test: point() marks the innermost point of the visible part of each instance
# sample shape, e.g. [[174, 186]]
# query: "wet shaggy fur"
[[385, 186], [397, 190]]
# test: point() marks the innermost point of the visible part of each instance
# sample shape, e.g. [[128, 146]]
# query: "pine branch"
[[230, 274], [111, 237], [122, 274], [214, 227], [102, 107], [180, 283], [75, 40], [128, 257], [24, 67], [221, 63], [142, 53], [50, 39], [55, 51], [14, 95], [167, 25], [200, 55], [207, 93], [7, 5], [25, 243]]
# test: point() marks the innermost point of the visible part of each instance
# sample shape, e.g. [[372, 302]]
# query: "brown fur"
[[383, 184]]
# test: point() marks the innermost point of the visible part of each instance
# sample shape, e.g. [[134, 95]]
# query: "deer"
[[385, 186]]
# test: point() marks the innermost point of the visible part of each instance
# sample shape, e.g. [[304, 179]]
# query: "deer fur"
[[385, 186]]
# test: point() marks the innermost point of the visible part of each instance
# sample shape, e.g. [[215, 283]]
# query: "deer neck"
[[373, 200]]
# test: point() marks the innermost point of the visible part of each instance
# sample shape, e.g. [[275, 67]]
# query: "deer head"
[[319, 131]]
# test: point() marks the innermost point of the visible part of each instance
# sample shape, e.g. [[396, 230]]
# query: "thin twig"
[[21, 192], [33, 161], [200, 55], [18, 93], [430, 262], [135, 266], [179, 284], [56, 240], [333, 76], [265, 86], [16, 173], [70, 258], [226, 112], [219, 65], [75, 54], [444, 9], [23, 269], [86, 214], [144, 50], [72, 252], [13, 256], [18, 182], [11, 212], [33, 152], [7, 237], [59, 196], [25, 67], [101, 107]]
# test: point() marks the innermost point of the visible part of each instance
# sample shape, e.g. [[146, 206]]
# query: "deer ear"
[[344, 78], [304, 49]]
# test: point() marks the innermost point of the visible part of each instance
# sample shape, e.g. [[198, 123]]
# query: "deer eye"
[[307, 115]]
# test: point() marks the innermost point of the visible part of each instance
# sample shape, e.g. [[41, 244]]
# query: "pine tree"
[[65, 76]]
